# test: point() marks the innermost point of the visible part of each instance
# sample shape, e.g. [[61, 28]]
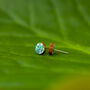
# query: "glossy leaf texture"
[[24, 23]]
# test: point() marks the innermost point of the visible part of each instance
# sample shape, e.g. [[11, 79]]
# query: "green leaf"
[[24, 23]]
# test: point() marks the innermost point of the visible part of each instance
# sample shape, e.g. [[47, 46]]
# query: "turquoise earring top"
[[40, 48]]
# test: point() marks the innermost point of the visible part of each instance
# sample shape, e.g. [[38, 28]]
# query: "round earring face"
[[40, 48]]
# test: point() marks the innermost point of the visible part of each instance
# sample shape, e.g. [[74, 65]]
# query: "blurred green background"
[[24, 23]]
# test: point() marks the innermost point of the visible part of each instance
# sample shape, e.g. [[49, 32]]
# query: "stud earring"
[[51, 49], [40, 48]]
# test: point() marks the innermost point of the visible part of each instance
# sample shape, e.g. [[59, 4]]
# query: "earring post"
[[61, 51]]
